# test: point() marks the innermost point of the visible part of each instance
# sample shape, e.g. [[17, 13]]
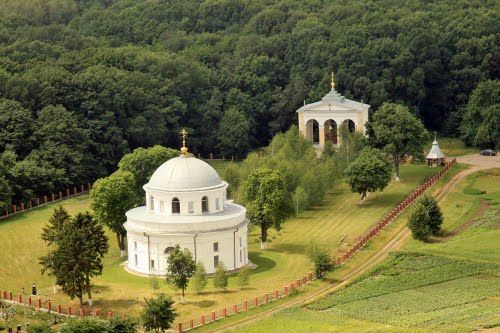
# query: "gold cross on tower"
[[333, 82], [184, 149]]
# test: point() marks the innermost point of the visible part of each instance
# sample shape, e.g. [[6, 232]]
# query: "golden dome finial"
[[332, 84], [184, 149]]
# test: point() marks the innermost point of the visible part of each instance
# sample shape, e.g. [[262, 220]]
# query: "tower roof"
[[435, 151]]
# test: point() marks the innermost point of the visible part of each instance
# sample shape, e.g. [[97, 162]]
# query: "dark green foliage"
[[220, 277], [40, 328], [371, 171], [111, 198], [399, 132], [321, 258], [419, 223], [143, 162], [181, 267], [233, 134], [158, 313], [126, 325], [435, 215], [86, 325], [480, 124], [79, 244], [266, 200], [132, 73]]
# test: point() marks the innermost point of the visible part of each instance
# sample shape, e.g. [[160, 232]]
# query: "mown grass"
[[451, 284], [339, 216]]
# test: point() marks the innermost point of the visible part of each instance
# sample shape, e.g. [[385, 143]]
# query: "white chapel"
[[186, 204], [322, 121]]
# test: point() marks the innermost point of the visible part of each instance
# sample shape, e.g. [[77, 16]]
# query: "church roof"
[[435, 151], [336, 99], [184, 173]]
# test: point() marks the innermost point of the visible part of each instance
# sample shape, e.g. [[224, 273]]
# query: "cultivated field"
[[451, 285], [339, 217]]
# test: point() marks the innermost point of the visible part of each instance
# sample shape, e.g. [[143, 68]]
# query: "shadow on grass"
[[201, 304], [263, 263], [122, 303], [289, 248]]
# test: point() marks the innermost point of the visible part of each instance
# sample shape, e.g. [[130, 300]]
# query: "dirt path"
[[395, 243]]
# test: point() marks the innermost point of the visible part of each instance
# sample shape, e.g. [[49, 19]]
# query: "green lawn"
[[451, 285], [338, 217]]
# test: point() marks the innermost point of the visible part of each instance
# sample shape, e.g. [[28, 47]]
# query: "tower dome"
[[184, 173]]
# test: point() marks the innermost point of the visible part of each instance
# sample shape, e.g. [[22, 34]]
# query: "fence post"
[[276, 295], [285, 290], [45, 199], [180, 327], [59, 308], [235, 308], [256, 301], [67, 192], [213, 315], [14, 208], [60, 195], [22, 206], [245, 305], [29, 301], [191, 323], [202, 320], [74, 190], [68, 311], [224, 312], [49, 305], [39, 303]]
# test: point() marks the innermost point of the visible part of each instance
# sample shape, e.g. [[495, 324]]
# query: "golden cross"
[[184, 134], [333, 82]]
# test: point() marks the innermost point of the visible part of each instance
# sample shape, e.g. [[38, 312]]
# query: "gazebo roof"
[[435, 152]]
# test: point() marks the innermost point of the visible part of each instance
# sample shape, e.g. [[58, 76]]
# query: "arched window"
[[151, 203], [204, 204], [176, 206], [168, 250]]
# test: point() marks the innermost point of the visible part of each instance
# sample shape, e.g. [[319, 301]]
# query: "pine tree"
[[244, 276], [419, 223], [220, 278], [435, 215], [200, 278], [158, 314], [77, 253], [52, 232]]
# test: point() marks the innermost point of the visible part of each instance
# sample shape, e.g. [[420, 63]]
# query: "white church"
[[186, 204], [323, 120]]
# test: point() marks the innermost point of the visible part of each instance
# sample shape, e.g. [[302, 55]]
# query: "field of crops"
[[451, 284]]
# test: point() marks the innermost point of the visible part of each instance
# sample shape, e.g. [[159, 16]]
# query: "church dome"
[[184, 173]]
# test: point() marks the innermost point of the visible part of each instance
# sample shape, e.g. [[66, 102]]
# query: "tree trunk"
[[182, 292], [89, 292], [121, 244], [363, 197], [263, 235], [396, 167]]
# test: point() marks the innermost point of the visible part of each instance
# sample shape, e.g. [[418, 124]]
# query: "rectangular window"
[[135, 245], [136, 262], [191, 207], [241, 256], [162, 206], [240, 241], [217, 204], [151, 203], [216, 247], [152, 264], [216, 261]]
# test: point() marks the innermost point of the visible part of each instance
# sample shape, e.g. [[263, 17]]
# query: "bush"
[[321, 259], [158, 313], [128, 325], [38, 328], [419, 223], [244, 276], [435, 215], [86, 325], [220, 278], [199, 278]]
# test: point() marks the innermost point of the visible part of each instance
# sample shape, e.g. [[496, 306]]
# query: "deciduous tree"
[[371, 171], [181, 268], [111, 198], [399, 132], [158, 313]]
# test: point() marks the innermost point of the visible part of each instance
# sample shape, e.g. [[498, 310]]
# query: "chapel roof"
[[435, 151]]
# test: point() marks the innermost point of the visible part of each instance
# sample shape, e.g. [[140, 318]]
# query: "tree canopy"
[[181, 267]]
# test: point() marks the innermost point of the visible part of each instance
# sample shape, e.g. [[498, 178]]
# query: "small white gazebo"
[[435, 156]]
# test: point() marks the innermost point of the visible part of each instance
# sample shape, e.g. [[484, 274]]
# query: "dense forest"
[[82, 82]]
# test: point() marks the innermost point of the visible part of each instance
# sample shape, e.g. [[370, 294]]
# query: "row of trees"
[[84, 82]]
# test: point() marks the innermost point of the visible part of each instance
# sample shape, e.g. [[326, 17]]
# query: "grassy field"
[[339, 217], [453, 147], [451, 285]]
